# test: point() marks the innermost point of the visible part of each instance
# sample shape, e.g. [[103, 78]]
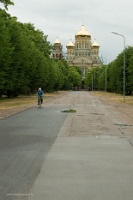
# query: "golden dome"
[[95, 44], [70, 44], [57, 41], [83, 31]]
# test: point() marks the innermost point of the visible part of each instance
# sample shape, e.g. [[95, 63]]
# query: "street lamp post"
[[92, 81], [105, 88], [123, 64], [99, 78], [101, 63], [104, 62]]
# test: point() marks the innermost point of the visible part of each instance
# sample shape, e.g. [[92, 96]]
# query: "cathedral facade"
[[82, 52]]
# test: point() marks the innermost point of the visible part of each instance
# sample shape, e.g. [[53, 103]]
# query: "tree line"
[[110, 77], [25, 62]]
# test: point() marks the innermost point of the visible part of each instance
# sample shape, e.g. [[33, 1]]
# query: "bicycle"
[[40, 100]]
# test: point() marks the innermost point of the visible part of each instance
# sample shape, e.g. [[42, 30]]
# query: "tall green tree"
[[39, 39], [129, 70], [7, 3], [74, 77], [6, 50], [25, 62]]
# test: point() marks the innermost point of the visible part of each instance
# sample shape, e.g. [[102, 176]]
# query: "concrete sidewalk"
[[90, 159]]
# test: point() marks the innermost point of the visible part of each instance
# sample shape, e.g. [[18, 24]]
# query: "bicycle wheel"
[[39, 101]]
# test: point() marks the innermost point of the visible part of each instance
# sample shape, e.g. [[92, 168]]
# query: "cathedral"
[[82, 53]]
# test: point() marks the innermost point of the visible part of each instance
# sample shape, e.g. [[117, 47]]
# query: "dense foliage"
[[74, 77], [25, 62], [6, 3], [110, 77]]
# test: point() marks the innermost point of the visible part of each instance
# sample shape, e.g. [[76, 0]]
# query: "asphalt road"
[[25, 140], [92, 157], [46, 154]]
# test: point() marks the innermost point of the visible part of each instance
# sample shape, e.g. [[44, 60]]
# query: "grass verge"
[[114, 97], [21, 101]]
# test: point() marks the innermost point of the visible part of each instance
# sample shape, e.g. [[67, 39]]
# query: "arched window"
[[85, 45]]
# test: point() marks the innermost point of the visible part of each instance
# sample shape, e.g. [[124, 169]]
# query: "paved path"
[[92, 158], [25, 140]]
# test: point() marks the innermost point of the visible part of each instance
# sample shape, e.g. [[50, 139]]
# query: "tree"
[[129, 70], [102, 77], [39, 39], [6, 3], [6, 50], [115, 72], [74, 77], [92, 78], [25, 62]]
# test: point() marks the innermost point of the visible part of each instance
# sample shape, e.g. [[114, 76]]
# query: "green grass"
[[69, 111], [118, 98]]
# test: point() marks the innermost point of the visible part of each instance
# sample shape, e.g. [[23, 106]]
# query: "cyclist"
[[40, 95]]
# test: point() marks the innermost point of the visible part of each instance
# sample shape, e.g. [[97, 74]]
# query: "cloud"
[[63, 19]]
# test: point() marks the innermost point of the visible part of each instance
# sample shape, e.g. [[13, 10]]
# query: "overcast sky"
[[63, 18]]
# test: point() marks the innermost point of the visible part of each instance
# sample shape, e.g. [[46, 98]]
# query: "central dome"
[[83, 31]]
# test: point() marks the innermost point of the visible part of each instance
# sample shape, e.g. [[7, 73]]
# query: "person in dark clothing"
[[40, 95]]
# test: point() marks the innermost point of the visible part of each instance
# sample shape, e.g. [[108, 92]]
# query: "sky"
[[64, 18]]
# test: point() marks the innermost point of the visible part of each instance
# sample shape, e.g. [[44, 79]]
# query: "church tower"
[[70, 52], [57, 51], [83, 53], [95, 52]]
